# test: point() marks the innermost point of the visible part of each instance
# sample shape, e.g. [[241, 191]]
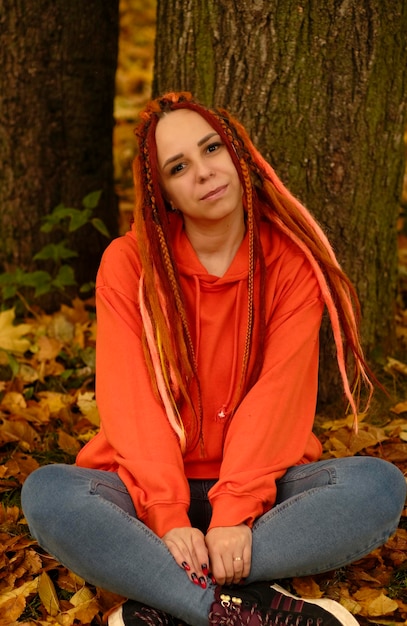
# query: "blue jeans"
[[327, 514]]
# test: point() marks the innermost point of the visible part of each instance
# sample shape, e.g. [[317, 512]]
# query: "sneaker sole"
[[343, 615], [116, 618]]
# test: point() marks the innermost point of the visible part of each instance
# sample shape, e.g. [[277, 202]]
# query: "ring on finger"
[[238, 558]]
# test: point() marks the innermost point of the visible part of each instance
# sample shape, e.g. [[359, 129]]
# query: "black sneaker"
[[133, 613], [262, 604]]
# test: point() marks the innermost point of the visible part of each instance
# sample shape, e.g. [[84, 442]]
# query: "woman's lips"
[[214, 193]]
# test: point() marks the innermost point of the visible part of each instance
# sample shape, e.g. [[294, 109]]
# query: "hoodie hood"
[[190, 265]]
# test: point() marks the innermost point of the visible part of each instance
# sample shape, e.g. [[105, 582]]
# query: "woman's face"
[[197, 173]]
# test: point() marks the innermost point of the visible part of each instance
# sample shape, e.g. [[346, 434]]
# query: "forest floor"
[[48, 411]]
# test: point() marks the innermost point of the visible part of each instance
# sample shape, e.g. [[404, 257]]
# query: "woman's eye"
[[177, 168], [214, 146]]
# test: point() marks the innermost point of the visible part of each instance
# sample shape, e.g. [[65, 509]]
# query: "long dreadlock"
[[167, 340]]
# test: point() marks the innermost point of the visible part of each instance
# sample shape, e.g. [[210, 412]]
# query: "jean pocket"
[[302, 478], [111, 488]]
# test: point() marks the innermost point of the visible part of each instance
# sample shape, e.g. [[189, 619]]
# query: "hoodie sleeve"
[[134, 427], [272, 428]]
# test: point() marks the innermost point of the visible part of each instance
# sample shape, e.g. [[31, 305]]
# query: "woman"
[[205, 477]]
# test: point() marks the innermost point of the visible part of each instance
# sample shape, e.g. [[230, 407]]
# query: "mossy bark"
[[58, 63], [322, 88]]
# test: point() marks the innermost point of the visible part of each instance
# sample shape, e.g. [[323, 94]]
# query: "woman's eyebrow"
[[180, 155], [204, 139], [173, 158]]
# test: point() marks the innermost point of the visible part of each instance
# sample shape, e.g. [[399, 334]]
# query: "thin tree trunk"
[[322, 88], [58, 62]]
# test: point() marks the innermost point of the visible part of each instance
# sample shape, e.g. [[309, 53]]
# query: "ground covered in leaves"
[[48, 411]]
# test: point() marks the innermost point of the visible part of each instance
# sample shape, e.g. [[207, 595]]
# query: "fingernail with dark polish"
[[194, 579], [213, 579], [202, 582], [185, 565], [205, 569]]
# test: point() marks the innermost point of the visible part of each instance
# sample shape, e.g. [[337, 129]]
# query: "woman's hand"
[[187, 546], [230, 553]]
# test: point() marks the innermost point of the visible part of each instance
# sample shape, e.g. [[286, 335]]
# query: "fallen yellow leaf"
[[401, 407], [55, 400], [374, 602], [48, 594], [12, 337], [11, 610], [13, 402], [24, 590], [84, 613], [393, 365], [82, 596]]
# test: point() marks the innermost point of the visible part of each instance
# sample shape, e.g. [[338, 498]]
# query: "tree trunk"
[[58, 63], [322, 89]]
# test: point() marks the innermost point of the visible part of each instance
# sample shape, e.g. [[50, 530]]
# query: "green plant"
[[26, 286]]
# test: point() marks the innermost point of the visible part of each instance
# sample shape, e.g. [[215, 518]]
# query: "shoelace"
[[152, 617], [233, 612]]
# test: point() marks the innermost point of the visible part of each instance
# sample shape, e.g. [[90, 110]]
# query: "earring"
[[173, 208]]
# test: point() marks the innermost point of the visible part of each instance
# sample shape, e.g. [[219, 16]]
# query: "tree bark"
[[321, 86], [58, 64]]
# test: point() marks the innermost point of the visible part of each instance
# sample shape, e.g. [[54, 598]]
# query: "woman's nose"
[[203, 171]]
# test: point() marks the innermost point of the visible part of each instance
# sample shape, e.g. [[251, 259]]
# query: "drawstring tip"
[[221, 414]]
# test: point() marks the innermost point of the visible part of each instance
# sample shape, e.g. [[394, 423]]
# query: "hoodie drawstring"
[[226, 407]]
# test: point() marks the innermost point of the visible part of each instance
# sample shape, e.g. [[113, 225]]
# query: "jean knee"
[[393, 483], [42, 492], [384, 485]]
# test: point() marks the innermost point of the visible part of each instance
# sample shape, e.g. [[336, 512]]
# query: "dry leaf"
[[67, 443], [306, 587], [351, 605], [345, 442], [32, 562], [69, 581], [77, 314], [36, 413], [393, 365], [24, 590], [48, 594], [12, 337], [374, 602], [401, 407], [11, 610], [82, 596], [87, 405], [84, 613], [396, 452], [61, 328], [18, 430], [27, 374], [20, 465], [55, 401], [48, 348], [86, 402], [341, 423], [13, 402]]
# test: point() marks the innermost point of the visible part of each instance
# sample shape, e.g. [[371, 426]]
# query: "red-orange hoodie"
[[271, 429]]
